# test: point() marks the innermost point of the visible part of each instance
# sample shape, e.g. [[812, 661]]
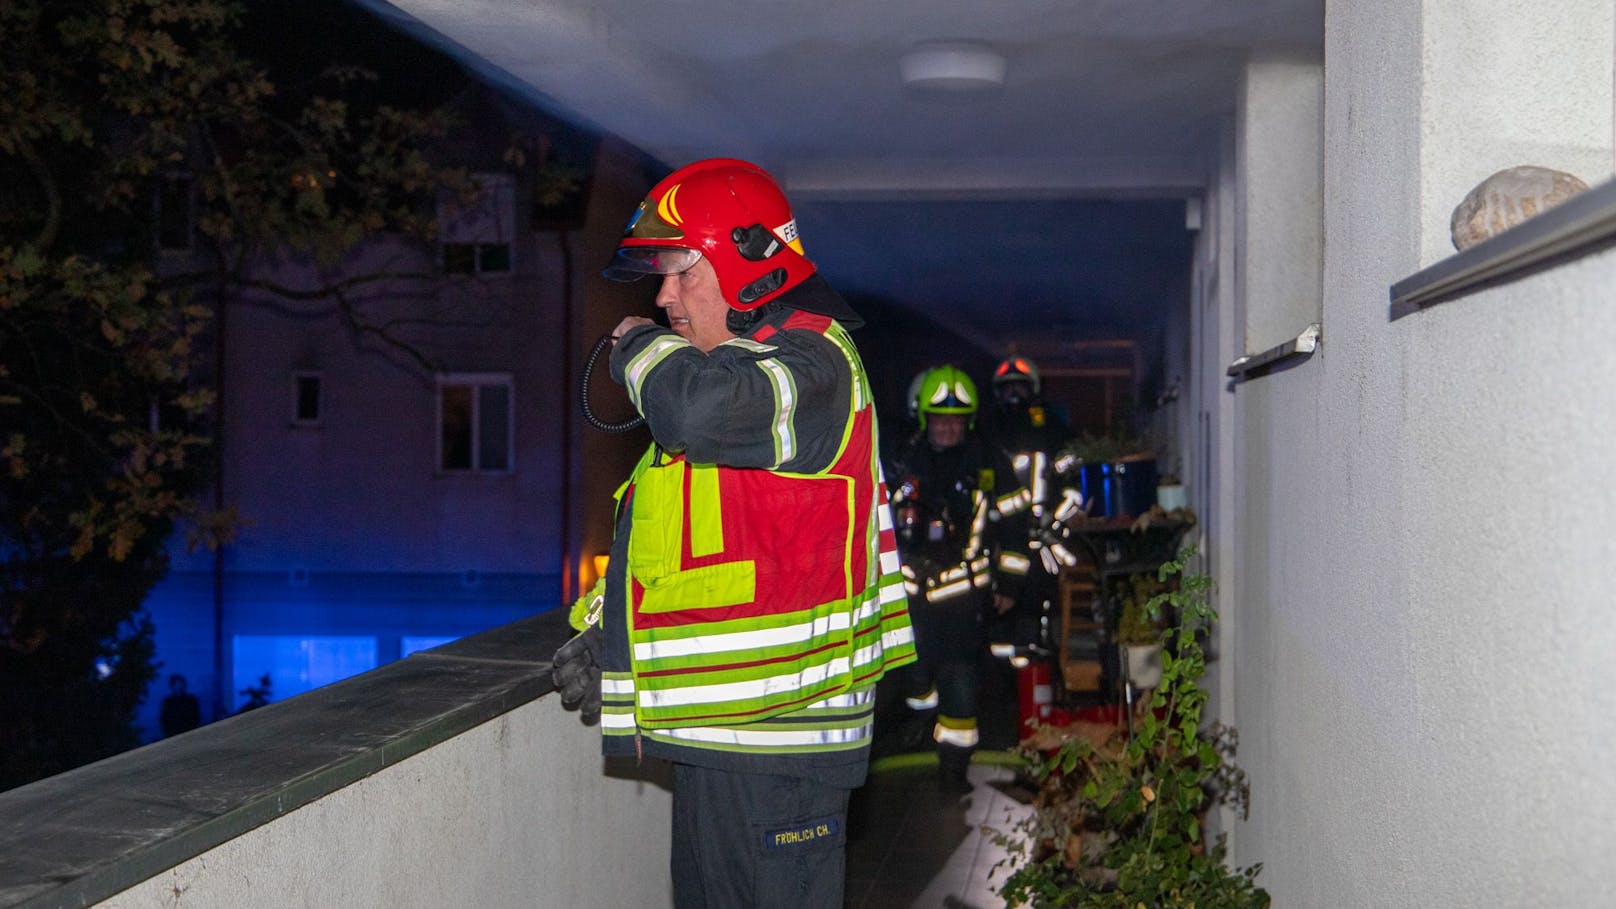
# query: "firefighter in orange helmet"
[[1032, 435]]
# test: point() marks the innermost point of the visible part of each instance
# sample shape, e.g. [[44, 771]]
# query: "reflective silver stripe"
[[925, 702], [610, 686], [964, 738], [1021, 461], [937, 594], [962, 571], [750, 344], [1051, 563], [1015, 564], [898, 637], [892, 593], [910, 586], [644, 361], [785, 409], [611, 719], [765, 738], [1015, 503], [870, 609], [745, 690], [741, 640], [979, 521], [861, 391], [883, 516], [890, 562], [1071, 505], [857, 698], [1040, 486], [864, 656]]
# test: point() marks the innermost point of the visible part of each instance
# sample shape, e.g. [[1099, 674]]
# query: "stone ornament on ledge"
[[1507, 198]]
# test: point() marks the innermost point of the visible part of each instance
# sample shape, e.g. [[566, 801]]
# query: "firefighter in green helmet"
[[960, 517]]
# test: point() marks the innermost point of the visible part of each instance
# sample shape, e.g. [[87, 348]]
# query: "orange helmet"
[[727, 210], [1017, 369]]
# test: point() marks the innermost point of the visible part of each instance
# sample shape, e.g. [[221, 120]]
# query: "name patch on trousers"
[[807, 833]]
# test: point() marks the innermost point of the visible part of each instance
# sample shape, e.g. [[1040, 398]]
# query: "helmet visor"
[[634, 262]]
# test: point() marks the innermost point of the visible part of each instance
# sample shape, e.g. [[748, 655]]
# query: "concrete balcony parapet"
[[446, 778]]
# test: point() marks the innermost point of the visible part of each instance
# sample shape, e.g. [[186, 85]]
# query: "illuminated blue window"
[[275, 667], [408, 645]]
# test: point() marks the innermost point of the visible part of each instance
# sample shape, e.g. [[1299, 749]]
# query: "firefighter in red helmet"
[[752, 598], [1033, 435]]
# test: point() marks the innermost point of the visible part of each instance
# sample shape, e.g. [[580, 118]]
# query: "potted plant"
[[1139, 632], [1171, 494], [1120, 823]]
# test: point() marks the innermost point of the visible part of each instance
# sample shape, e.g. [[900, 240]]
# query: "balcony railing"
[[448, 778]]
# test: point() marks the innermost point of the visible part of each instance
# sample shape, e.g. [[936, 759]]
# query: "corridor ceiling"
[[1048, 201]]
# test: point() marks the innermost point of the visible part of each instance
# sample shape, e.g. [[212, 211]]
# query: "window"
[[306, 398], [476, 258], [408, 644], [268, 668], [474, 423], [475, 236], [174, 216]]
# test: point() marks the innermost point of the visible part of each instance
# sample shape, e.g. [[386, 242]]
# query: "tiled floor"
[[911, 845]]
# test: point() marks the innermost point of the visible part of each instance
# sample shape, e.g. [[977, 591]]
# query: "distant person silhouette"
[[181, 711]]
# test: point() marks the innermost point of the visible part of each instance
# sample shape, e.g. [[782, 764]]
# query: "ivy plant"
[[1119, 820]]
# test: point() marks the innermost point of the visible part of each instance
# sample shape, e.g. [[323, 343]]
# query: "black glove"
[[575, 668]]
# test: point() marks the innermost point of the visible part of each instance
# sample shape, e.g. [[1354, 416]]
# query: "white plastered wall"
[[1427, 506], [514, 813], [1505, 83], [1278, 169]]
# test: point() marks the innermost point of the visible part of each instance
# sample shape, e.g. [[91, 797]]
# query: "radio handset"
[[600, 347]]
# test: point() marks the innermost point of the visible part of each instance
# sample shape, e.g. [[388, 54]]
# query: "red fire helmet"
[[1017, 369], [728, 210]]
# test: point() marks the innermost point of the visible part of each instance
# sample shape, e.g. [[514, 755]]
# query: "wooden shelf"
[[1079, 672], [1081, 675]]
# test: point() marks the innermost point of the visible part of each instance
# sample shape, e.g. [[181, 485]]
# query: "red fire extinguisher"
[[1035, 694]]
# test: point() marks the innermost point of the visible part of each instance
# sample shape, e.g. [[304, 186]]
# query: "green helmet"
[[945, 389]]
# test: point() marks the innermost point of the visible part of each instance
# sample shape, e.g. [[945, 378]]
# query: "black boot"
[[952, 762], [916, 731]]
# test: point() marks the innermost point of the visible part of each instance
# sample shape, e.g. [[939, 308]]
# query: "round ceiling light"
[[952, 66]]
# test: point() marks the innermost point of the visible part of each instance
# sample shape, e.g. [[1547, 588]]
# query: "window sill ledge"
[[1300, 347], [1576, 227]]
